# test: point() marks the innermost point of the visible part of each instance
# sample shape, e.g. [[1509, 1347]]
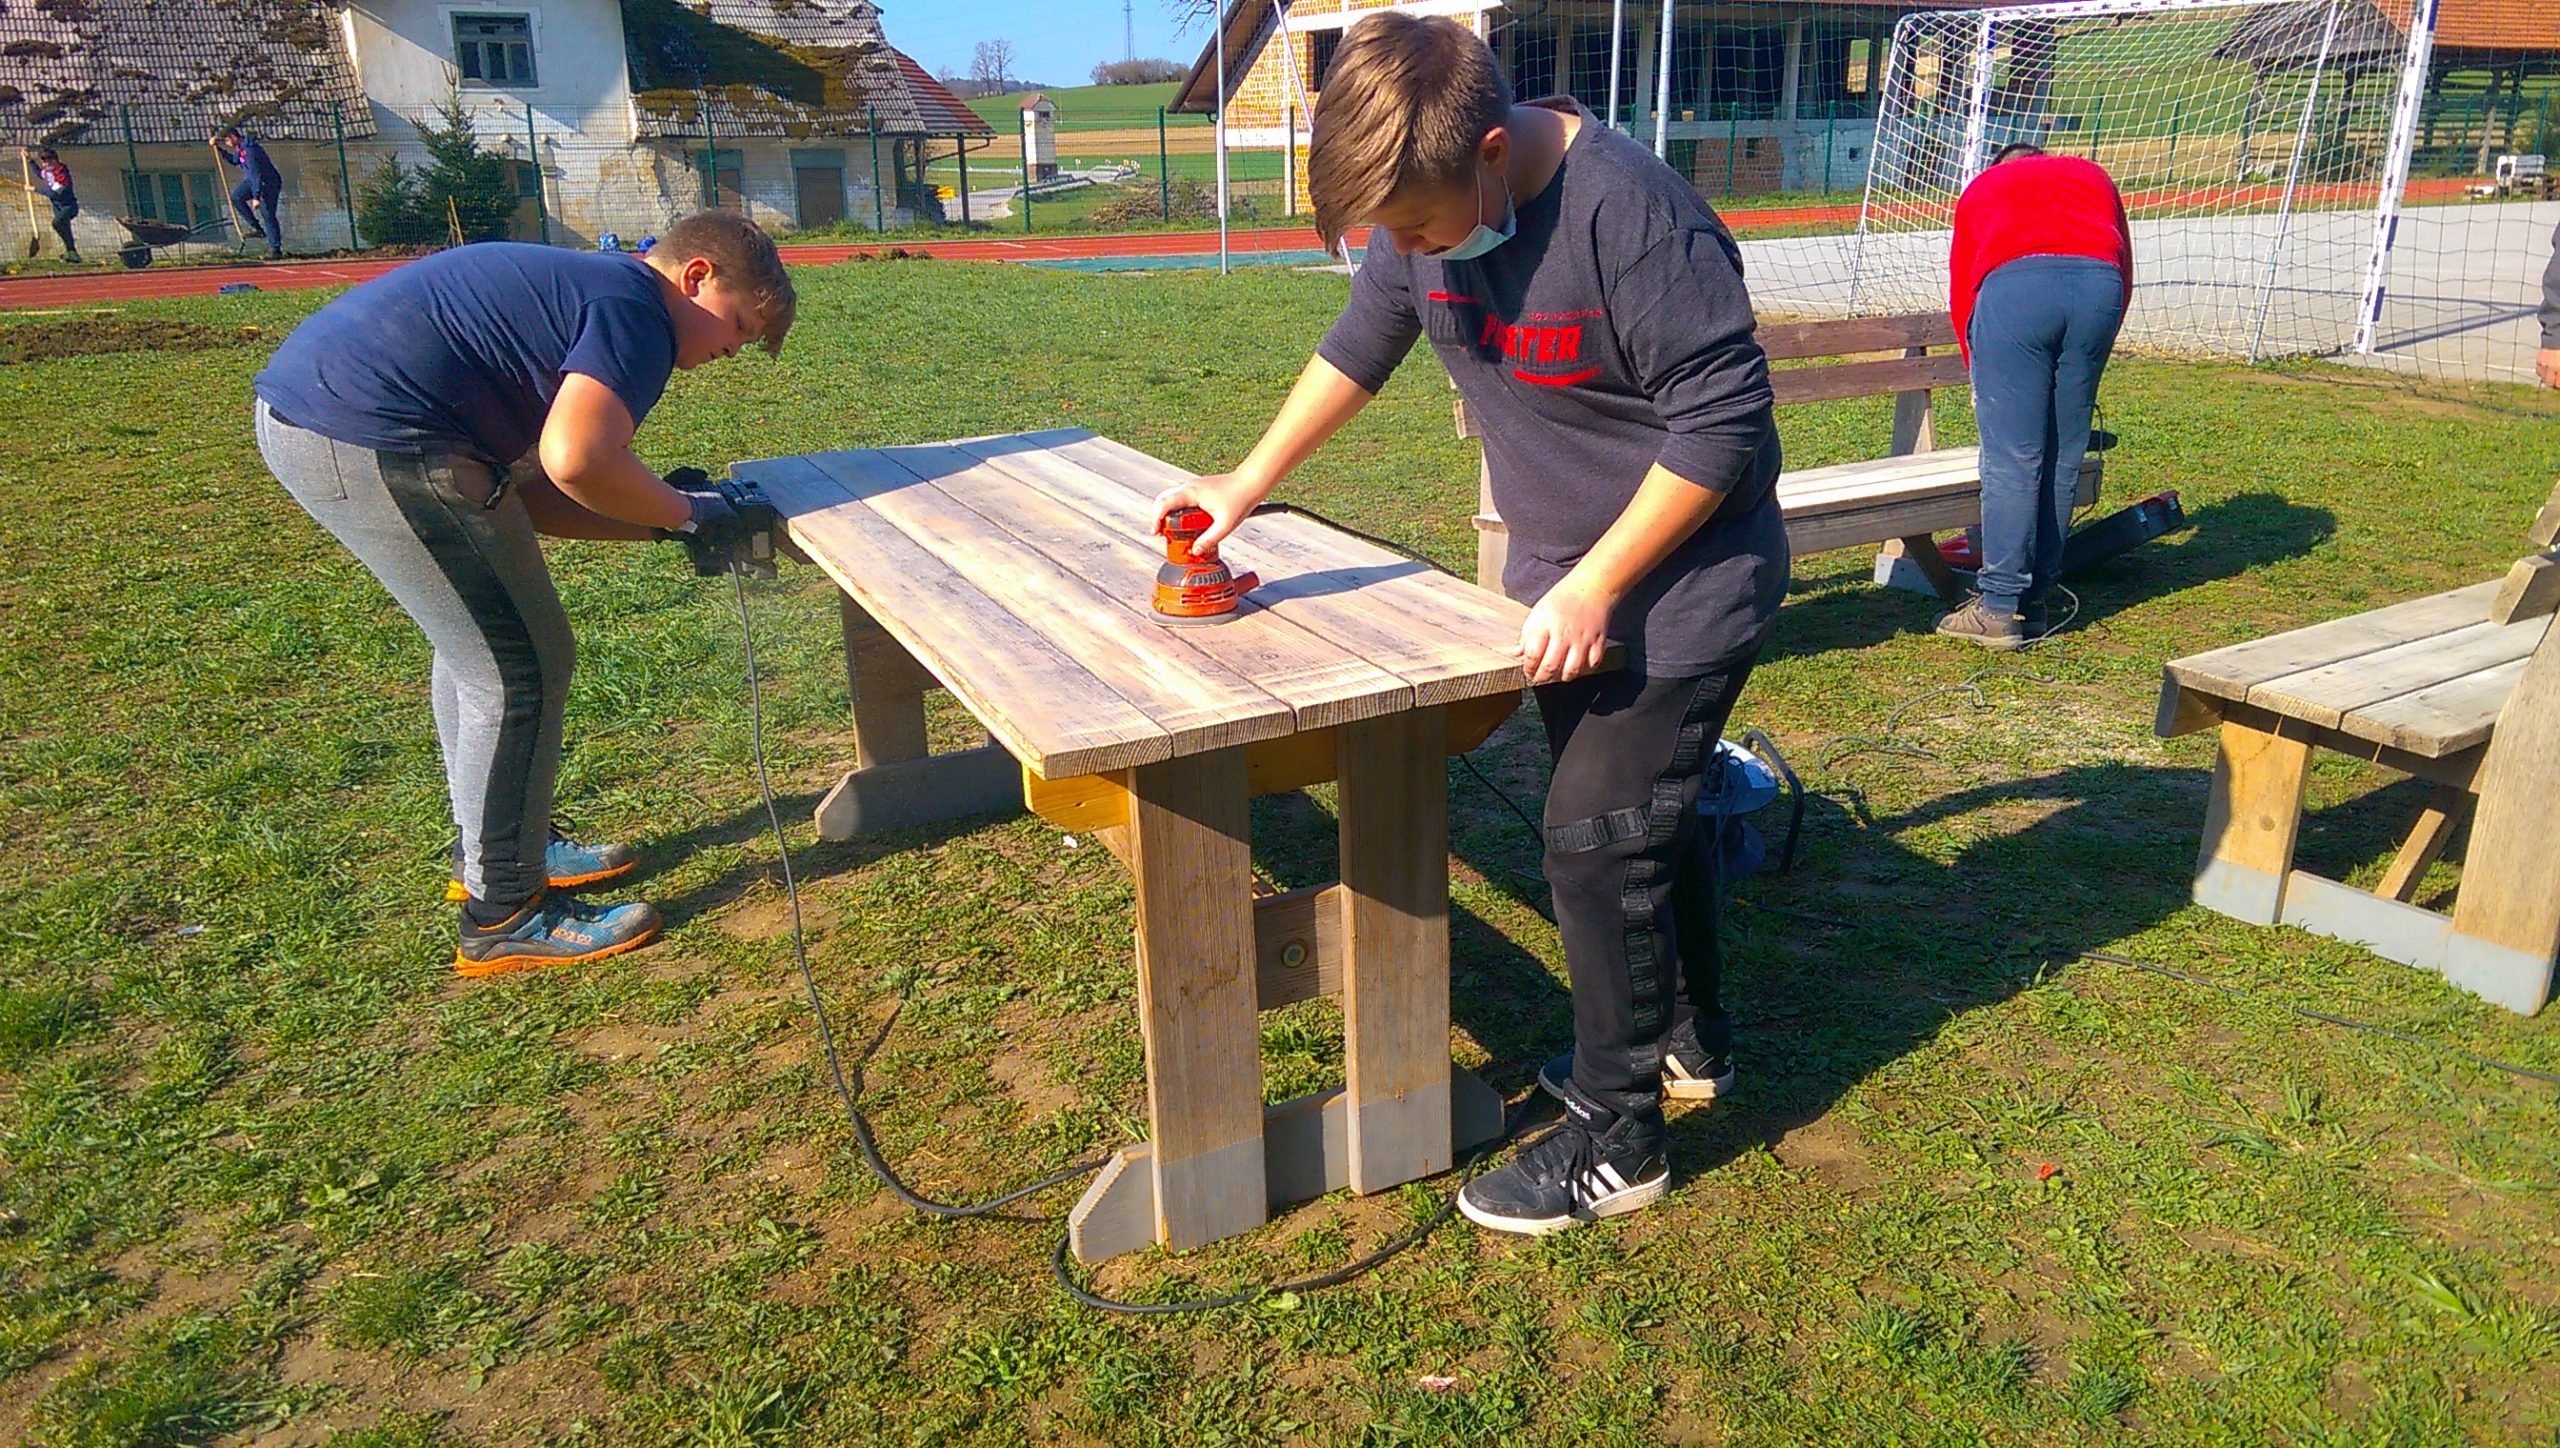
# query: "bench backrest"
[[1927, 361], [1918, 370]]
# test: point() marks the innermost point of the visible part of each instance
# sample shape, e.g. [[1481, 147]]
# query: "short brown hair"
[[1406, 103], [746, 261]]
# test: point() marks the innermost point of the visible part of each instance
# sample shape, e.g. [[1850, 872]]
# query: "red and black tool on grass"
[[1191, 589]]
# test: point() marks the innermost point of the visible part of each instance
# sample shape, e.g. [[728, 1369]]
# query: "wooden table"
[[1017, 573], [2456, 689]]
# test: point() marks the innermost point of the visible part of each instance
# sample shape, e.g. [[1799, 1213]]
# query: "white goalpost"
[[2285, 165]]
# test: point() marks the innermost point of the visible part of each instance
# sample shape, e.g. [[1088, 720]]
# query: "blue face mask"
[[1484, 238]]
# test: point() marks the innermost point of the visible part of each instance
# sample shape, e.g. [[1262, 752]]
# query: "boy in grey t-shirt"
[[1591, 310]]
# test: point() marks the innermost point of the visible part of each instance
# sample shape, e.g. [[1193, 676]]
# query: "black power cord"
[[848, 1088], [847, 1092]]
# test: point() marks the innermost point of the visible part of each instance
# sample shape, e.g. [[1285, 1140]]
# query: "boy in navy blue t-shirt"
[[435, 421]]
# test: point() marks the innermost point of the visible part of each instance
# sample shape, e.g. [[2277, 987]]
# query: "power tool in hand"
[[745, 538], [1191, 589]]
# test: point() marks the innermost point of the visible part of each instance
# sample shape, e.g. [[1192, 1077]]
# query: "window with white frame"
[[492, 49]]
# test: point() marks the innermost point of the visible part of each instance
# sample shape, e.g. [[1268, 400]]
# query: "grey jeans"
[[458, 553]]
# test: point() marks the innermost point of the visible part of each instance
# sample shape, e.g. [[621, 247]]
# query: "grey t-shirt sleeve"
[[1684, 321], [2551, 294], [1378, 325]]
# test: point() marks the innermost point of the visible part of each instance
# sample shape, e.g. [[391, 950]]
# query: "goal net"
[[2300, 179]]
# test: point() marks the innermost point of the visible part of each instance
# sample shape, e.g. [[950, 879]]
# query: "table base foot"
[[1306, 1147], [925, 791]]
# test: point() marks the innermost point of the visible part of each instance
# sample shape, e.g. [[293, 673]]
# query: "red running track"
[[84, 288]]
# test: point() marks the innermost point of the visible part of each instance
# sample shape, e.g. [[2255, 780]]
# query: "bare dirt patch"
[[1831, 1153], [100, 336]]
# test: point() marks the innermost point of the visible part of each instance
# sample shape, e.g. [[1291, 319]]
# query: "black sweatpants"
[[1633, 873]]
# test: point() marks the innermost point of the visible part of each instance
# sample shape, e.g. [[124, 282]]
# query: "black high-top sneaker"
[[1596, 1163], [1689, 1071]]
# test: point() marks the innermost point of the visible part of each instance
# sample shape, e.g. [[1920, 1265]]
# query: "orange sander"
[[1191, 589]]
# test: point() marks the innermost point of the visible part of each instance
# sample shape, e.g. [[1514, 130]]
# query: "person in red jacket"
[[2041, 272]]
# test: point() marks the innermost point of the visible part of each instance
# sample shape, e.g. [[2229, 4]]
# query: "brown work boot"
[[2000, 632]]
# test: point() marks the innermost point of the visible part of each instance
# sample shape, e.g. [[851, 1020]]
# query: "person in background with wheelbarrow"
[[54, 179], [260, 182]]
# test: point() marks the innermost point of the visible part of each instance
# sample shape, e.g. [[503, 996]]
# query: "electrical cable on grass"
[[848, 1091], [2351, 1023], [1412, 1237], [1887, 741]]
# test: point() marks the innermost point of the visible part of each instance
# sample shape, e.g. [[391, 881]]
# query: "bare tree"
[[1187, 13], [1136, 72], [991, 66]]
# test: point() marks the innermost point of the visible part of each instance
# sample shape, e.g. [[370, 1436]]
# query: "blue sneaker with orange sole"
[[553, 929], [569, 865]]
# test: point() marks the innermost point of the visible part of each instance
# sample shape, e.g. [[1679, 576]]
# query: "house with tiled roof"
[[1763, 95], [617, 115]]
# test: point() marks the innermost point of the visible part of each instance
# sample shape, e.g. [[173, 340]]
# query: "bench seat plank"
[[2328, 695], [2231, 672], [2442, 720]]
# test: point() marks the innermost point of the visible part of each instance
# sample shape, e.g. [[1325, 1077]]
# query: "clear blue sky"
[[1055, 42]]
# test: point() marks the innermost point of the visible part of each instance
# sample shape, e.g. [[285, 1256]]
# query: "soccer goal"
[[2266, 151]]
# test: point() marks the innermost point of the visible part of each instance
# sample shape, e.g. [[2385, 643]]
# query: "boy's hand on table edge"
[[1228, 498], [1566, 635]]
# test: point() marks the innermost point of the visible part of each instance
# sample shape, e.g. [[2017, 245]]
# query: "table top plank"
[[1046, 710], [1323, 682], [2229, 673], [1199, 703], [1446, 637]]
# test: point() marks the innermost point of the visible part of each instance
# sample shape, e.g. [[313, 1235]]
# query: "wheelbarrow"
[[146, 234]]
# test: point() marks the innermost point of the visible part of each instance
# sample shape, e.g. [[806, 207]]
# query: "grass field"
[[1091, 108], [268, 1174]]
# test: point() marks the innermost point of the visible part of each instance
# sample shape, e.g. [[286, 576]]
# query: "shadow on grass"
[[2221, 540], [1872, 948], [811, 861]]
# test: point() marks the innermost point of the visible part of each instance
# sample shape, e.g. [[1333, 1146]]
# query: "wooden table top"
[[2428, 676], [1020, 572]]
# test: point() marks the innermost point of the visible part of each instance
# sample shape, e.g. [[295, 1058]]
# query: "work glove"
[[731, 523]]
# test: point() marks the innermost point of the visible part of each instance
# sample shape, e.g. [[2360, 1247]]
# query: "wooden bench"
[[1901, 500], [2461, 689]]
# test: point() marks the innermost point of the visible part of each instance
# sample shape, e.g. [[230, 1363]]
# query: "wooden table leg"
[[1922, 550], [1394, 812], [2437, 820], [2252, 821], [1196, 997], [888, 689], [2506, 914], [895, 783]]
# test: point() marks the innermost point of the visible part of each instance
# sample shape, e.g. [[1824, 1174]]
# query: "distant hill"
[[1088, 107]]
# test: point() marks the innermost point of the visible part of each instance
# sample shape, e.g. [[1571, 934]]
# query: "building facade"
[[1779, 96], [614, 115]]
